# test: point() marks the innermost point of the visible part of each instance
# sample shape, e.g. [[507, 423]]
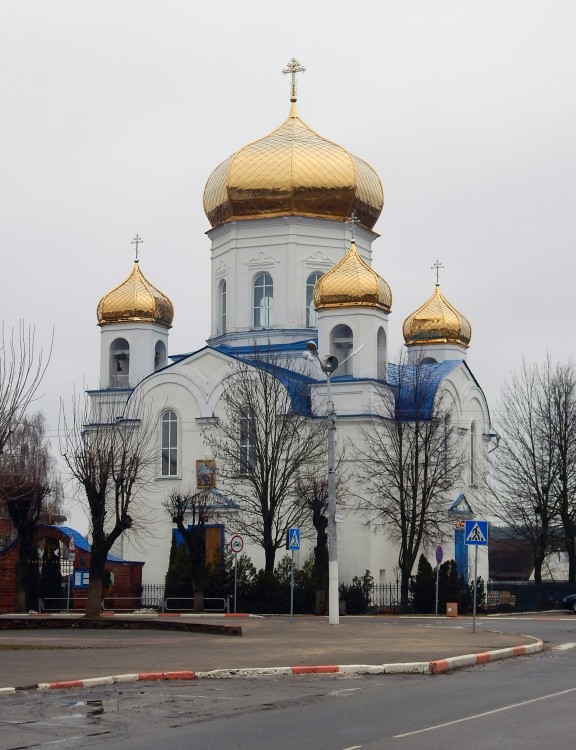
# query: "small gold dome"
[[135, 300], [293, 171], [352, 283], [437, 322]]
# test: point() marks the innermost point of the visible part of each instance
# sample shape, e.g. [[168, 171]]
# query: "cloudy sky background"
[[115, 112]]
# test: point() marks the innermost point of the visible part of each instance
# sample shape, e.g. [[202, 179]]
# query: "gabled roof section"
[[81, 544], [416, 386], [296, 383]]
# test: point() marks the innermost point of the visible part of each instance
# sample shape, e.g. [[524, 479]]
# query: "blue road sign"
[[476, 533], [294, 539], [439, 554]]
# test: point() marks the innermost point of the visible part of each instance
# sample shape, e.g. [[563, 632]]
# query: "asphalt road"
[[526, 702]]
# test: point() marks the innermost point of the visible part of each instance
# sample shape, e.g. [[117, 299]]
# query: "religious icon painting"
[[205, 473]]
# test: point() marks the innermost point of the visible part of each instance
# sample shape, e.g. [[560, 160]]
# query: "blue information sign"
[[294, 539], [476, 533]]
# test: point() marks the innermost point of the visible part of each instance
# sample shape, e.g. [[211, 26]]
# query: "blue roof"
[[416, 387], [296, 383], [81, 544]]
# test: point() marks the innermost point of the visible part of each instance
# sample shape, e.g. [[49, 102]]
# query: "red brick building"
[[125, 587]]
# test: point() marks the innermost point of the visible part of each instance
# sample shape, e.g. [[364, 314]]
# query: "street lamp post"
[[328, 365]]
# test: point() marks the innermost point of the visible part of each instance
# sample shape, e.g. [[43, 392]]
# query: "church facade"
[[292, 217]]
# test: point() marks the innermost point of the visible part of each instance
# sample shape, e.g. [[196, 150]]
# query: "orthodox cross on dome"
[[292, 68], [353, 219], [137, 241], [436, 267]]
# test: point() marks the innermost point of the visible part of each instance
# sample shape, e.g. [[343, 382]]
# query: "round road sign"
[[236, 544], [439, 554]]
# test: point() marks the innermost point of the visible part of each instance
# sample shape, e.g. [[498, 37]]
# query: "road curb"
[[436, 667]]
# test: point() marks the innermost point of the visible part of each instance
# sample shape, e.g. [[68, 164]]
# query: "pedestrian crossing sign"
[[293, 539], [476, 533]]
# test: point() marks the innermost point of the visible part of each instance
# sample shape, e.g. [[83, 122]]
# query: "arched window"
[[222, 307], [169, 444], [341, 343], [310, 311], [119, 364], [263, 301], [159, 355], [381, 354], [247, 441], [472, 453]]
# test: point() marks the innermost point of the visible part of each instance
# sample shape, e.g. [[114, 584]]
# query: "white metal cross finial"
[[137, 241], [292, 68], [436, 267], [353, 219]]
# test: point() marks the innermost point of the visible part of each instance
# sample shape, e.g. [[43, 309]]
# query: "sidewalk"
[[269, 645]]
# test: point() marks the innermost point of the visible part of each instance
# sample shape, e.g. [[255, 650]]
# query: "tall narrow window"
[[247, 442], [472, 453], [310, 311], [263, 301], [222, 307], [169, 444]]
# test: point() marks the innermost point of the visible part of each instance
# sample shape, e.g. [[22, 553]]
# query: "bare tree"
[[562, 389], [22, 368], [410, 458], [111, 459], [196, 509], [312, 496], [525, 464], [30, 491], [263, 442]]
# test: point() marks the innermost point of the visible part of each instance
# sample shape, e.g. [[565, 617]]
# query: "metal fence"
[[382, 598]]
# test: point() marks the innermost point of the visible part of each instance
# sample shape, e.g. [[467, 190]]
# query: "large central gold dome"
[[293, 171]]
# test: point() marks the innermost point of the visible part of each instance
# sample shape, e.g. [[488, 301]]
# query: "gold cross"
[[137, 241], [292, 68], [353, 219], [437, 266]]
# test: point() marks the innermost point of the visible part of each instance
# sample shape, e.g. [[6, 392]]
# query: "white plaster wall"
[[289, 249]]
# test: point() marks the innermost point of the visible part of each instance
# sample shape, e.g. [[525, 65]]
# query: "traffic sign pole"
[[236, 545]]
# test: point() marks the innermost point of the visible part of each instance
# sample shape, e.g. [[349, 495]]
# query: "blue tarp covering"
[[416, 387]]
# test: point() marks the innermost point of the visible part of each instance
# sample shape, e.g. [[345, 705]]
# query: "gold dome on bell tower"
[[293, 171], [352, 283], [135, 300], [437, 322]]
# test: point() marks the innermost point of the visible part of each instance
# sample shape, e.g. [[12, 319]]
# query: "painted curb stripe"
[[315, 670], [439, 666], [148, 676]]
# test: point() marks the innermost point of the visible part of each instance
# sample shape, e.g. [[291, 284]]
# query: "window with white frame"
[[247, 442], [263, 301], [311, 317], [222, 307], [169, 444], [472, 453]]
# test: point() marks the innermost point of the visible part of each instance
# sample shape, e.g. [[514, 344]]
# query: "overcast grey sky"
[[115, 112]]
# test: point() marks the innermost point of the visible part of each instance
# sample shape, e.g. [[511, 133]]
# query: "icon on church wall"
[[205, 473]]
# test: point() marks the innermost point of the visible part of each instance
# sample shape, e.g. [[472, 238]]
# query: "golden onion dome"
[[437, 322], [352, 283], [293, 171], [135, 300]]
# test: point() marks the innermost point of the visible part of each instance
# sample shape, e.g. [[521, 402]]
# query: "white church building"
[[288, 266]]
